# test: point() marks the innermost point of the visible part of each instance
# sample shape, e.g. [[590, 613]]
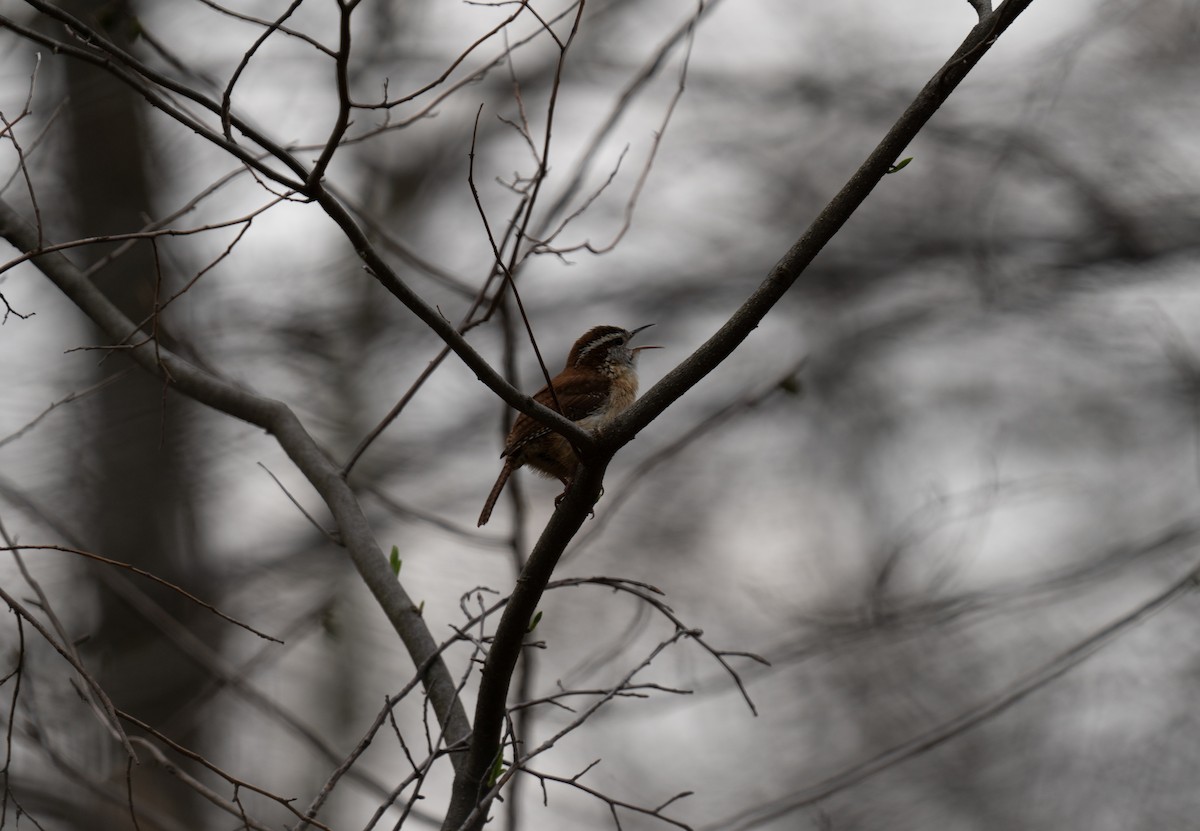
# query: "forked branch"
[[468, 807]]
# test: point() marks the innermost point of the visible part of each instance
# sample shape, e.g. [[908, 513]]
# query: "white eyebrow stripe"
[[603, 339]]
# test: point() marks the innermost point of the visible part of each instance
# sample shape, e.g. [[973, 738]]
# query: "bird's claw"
[[558, 500]]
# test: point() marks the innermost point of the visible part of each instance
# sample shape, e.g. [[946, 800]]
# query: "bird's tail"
[[486, 513]]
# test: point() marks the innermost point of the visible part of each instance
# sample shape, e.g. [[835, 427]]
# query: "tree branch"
[[278, 420], [470, 781], [444, 329], [827, 224]]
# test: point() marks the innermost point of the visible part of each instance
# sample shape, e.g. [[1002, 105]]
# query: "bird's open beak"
[[633, 332]]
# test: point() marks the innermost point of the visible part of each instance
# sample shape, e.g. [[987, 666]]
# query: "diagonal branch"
[[827, 224], [279, 420]]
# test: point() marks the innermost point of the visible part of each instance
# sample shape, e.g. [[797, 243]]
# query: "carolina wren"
[[598, 382]]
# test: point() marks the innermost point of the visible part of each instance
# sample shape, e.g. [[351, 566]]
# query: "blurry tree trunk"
[[138, 438]]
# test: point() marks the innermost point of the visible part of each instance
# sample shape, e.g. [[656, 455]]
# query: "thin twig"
[[40, 250], [639, 185], [436, 82], [11, 134], [167, 584], [506, 268], [612, 802], [230, 807], [102, 703], [227, 94], [519, 764], [325, 532], [313, 42], [9, 310], [639, 82]]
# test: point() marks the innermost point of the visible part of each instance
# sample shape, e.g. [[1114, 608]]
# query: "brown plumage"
[[597, 384]]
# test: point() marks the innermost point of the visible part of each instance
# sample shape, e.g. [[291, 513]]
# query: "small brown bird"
[[597, 384]]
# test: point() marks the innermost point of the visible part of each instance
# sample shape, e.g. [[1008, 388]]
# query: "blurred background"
[[963, 445]]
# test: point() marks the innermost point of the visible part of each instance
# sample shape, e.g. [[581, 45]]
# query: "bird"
[[597, 384]]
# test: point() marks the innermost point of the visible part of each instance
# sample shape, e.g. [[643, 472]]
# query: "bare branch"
[[429, 109], [228, 777], [96, 696], [628, 691], [227, 95], [613, 803], [830, 220], [520, 763], [281, 422], [631, 202], [652, 596], [325, 532], [273, 25], [149, 234], [22, 167], [462, 56], [167, 584], [967, 720], [506, 269], [9, 310], [633, 88], [342, 75]]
